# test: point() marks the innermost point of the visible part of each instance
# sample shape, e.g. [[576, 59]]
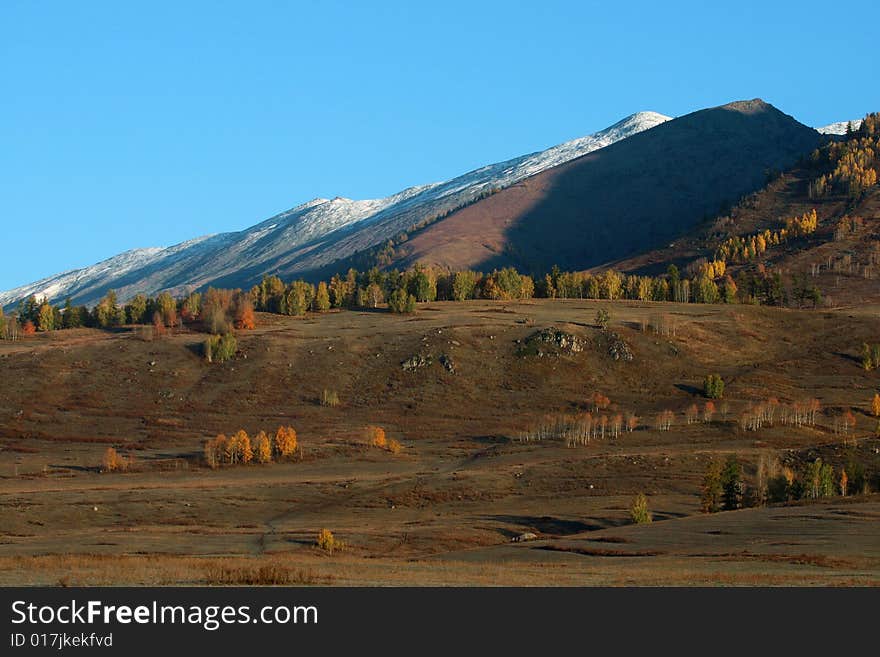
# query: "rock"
[[416, 362], [446, 362], [618, 349], [551, 342], [525, 536]]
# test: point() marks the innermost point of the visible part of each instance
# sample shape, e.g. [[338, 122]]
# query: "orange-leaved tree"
[[376, 437], [285, 442]]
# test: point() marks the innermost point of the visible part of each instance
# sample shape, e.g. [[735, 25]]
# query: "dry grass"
[[444, 510]]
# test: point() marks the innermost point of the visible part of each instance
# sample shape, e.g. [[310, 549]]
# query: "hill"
[[839, 257], [624, 199], [459, 385]]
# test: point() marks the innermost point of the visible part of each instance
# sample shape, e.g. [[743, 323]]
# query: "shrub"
[[218, 349], [329, 543], [639, 510], [602, 318], [329, 398], [394, 446]]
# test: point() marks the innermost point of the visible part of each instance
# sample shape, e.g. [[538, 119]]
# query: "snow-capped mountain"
[[308, 237], [839, 128]]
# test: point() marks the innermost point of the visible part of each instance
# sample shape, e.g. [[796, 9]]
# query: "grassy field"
[[445, 509]]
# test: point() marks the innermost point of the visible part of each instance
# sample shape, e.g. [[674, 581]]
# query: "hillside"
[[840, 257], [629, 197], [308, 237], [443, 510]]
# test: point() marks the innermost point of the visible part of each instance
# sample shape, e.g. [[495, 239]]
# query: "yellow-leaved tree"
[[263, 447]]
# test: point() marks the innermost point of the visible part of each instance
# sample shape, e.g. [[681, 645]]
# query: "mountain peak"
[[752, 106]]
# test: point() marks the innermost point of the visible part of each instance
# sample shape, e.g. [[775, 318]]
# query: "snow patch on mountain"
[[839, 128], [309, 236]]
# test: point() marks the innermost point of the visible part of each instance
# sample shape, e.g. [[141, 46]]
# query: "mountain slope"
[[309, 236], [629, 197]]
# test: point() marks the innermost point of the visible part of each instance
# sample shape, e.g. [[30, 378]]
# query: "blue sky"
[[131, 124]]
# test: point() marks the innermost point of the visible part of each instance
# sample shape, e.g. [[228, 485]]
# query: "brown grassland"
[[444, 510]]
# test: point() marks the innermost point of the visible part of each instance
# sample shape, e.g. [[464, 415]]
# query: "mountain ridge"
[[306, 233]]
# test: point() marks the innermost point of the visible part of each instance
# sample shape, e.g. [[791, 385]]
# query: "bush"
[[394, 446], [219, 348], [329, 398], [602, 318], [639, 510], [329, 543], [401, 301]]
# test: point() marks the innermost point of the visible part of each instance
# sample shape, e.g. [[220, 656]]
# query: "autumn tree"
[[692, 414], [107, 312], [136, 309], [599, 401], [297, 298], [464, 285], [711, 489], [632, 422], [322, 298], [214, 314], [285, 442], [423, 284], [602, 318], [875, 405], [329, 543], [191, 308], [45, 317], [159, 327], [376, 437], [708, 411], [243, 309], [215, 450], [263, 447], [166, 306], [112, 461], [244, 453]]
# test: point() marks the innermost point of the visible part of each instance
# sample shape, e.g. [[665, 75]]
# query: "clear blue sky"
[[130, 124]]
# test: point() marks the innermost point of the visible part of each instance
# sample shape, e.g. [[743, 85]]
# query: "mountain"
[[310, 236], [629, 197], [839, 128]]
